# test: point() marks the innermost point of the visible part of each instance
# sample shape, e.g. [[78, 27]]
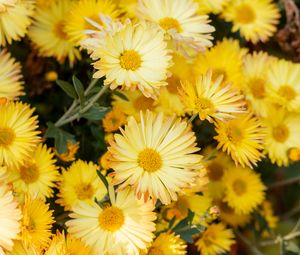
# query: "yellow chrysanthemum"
[[225, 58], [20, 249], [69, 155], [180, 20], [10, 215], [66, 245], [242, 138], [48, 32], [11, 85], [18, 134], [113, 120], [294, 154], [210, 99], [156, 156], [80, 183], [134, 103], [283, 134], [284, 78], [167, 244], [214, 6], [124, 227], [244, 189], [255, 19], [84, 11], [105, 160], [36, 223], [136, 56], [37, 175], [256, 84], [215, 240], [15, 17]]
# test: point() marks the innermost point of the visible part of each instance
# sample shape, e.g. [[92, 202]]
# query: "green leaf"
[[96, 112], [121, 95], [79, 89], [102, 178], [68, 88], [51, 131]]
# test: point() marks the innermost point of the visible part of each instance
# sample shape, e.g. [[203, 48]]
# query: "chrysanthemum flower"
[[256, 83], [124, 227], [113, 120], [62, 244], [215, 240], [284, 78], [180, 20], [37, 175], [20, 249], [84, 11], [80, 183], [225, 58], [10, 215], [283, 134], [36, 223], [18, 134], [48, 32], [242, 138], [15, 17], [210, 99], [214, 6], [136, 56], [69, 155], [255, 19], [167, 244], [156, 156], [244, 189], [11, 85]]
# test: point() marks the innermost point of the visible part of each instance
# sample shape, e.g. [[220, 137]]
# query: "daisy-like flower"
[[180, 20], [255, 19], [36, 223], [136, 56], [124, 227], [157, 156], [242, 138], [80, 183], [82, 16], [283, 134], [20, 249], [168, 244], [244, 189], [18, 134], [62, 244], [214, 6], [15, 17], [256, 84], [210, 99], [215, 240], [48, 32], [37, 175], [10, 215], [284, 78], [11, 85], [113, 120]]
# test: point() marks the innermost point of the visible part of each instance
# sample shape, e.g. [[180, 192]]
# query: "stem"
[[284, 182], [250, 245], [91, 85]]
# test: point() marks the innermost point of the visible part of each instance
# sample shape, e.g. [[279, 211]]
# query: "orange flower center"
[[281, 133], [111, 219], [245, 14], [130, 60], [29, 172], [257, 87], [239, 186], [143, 103], [7, 136], [155, 251], [215, 171], [84, 191], [234, 134], [287, 92], [149, 160], [59, 30], [170, 23], [204, 106]]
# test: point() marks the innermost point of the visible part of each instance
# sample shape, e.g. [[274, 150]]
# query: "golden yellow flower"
[[105, 160], [20, 249], [69, 155], [294, 154], [157, 156], [124, 227], [210, 99], [128, 7], [214, 6], [114, 120], [215, 240], [242, 138], [256, 20]]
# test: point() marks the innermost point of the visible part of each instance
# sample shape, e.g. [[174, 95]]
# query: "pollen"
[[7, 136], [111, 219], [239, 187], [257, 87], [84, 191], [130, 60], [149, 160], [281, 133], [29, 172], [215, 171], [170, 23], [245, 14], [204, 107]]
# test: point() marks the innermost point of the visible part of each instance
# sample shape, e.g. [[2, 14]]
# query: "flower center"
[[7, 136], [155, 251], [130, 60], [245, 14], [257, 87], [84, 191], [215, 171], [149, 160], [204, 105], [59, 30], [239, 186], [170, 23], [281, 133], [111, 219], [234, 134], [143, 103], [287, 92], [29, 173]]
